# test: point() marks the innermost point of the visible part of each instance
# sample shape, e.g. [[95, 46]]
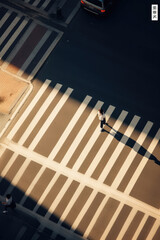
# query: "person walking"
[[9, 203], [102, 118]]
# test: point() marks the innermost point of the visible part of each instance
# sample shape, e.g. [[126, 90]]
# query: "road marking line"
[[58, 197], [95, 217], [104, 148], [126, 224], [40, 113], [81, 134], [28, 109], [17, 177], [9, 29], [33, 53], [84, 210], [132, 155], [112, 221], [140, 226], [3, 20], [13, 37], [91, 141], [92, 183], [35, 3], [36, 236], [18, 46], [45, 56], [142, 164], [32, 185], [120, 146], [50, 119], [71, 203], [8, 165], [73, 13], [21, 233], [45, 4], [153, 230], [47, 190], [69, 128]]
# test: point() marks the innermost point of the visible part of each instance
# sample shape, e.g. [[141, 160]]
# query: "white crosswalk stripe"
[[69, 128], [9, 29], [4, 19], [85, 186], [81, 134], [132, 155], [28, 109], [104, 147], [20, 44], [51, 118], [19, 32], [39, 113]]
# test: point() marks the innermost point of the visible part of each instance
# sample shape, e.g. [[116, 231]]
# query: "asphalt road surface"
[[116, 58]]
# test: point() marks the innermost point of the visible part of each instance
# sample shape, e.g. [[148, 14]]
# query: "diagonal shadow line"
[[132, 144]]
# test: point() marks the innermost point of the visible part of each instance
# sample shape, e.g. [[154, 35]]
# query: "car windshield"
[[96, 2]]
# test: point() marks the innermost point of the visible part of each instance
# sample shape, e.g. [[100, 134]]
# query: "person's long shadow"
[[131, 143]]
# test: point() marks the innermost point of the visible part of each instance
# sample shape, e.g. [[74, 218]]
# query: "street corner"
[[11, 91]]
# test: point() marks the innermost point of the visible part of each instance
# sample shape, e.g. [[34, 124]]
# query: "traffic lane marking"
[[135, 203]]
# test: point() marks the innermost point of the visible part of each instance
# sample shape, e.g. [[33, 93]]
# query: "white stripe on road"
[[140, 227], [9, 29], [81, 134], [33, 183], [17, 177], [18, 46], [71, 203], [58, 197], [126, 224], [142, 164], [12, 39], [8, 165], [40, 113], [36, 3], [45, 4], [73, 13], [153, 230], [45, 56], [132, 155], [33, 53], [47, 190], [84, 210], [92, 183], [5, 17], [50, 119], [112, 221], [69, 128], [28, 109], [21, 233], [91, 141], [95, 217], [119, 147], [104, 148]]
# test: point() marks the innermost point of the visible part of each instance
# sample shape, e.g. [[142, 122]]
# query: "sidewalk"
[[15, 223], [20, 224], [13, 93]]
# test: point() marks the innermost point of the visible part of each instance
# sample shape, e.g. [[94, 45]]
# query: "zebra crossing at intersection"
[[79, 178], [25, 45]]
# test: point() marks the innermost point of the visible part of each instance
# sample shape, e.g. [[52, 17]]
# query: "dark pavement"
[[116, 58]]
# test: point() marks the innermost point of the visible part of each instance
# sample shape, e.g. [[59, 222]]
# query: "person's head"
[[8, 196], [101, 110]]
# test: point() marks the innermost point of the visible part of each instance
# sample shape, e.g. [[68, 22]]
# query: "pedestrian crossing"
[[58, 164], [24, 44]]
